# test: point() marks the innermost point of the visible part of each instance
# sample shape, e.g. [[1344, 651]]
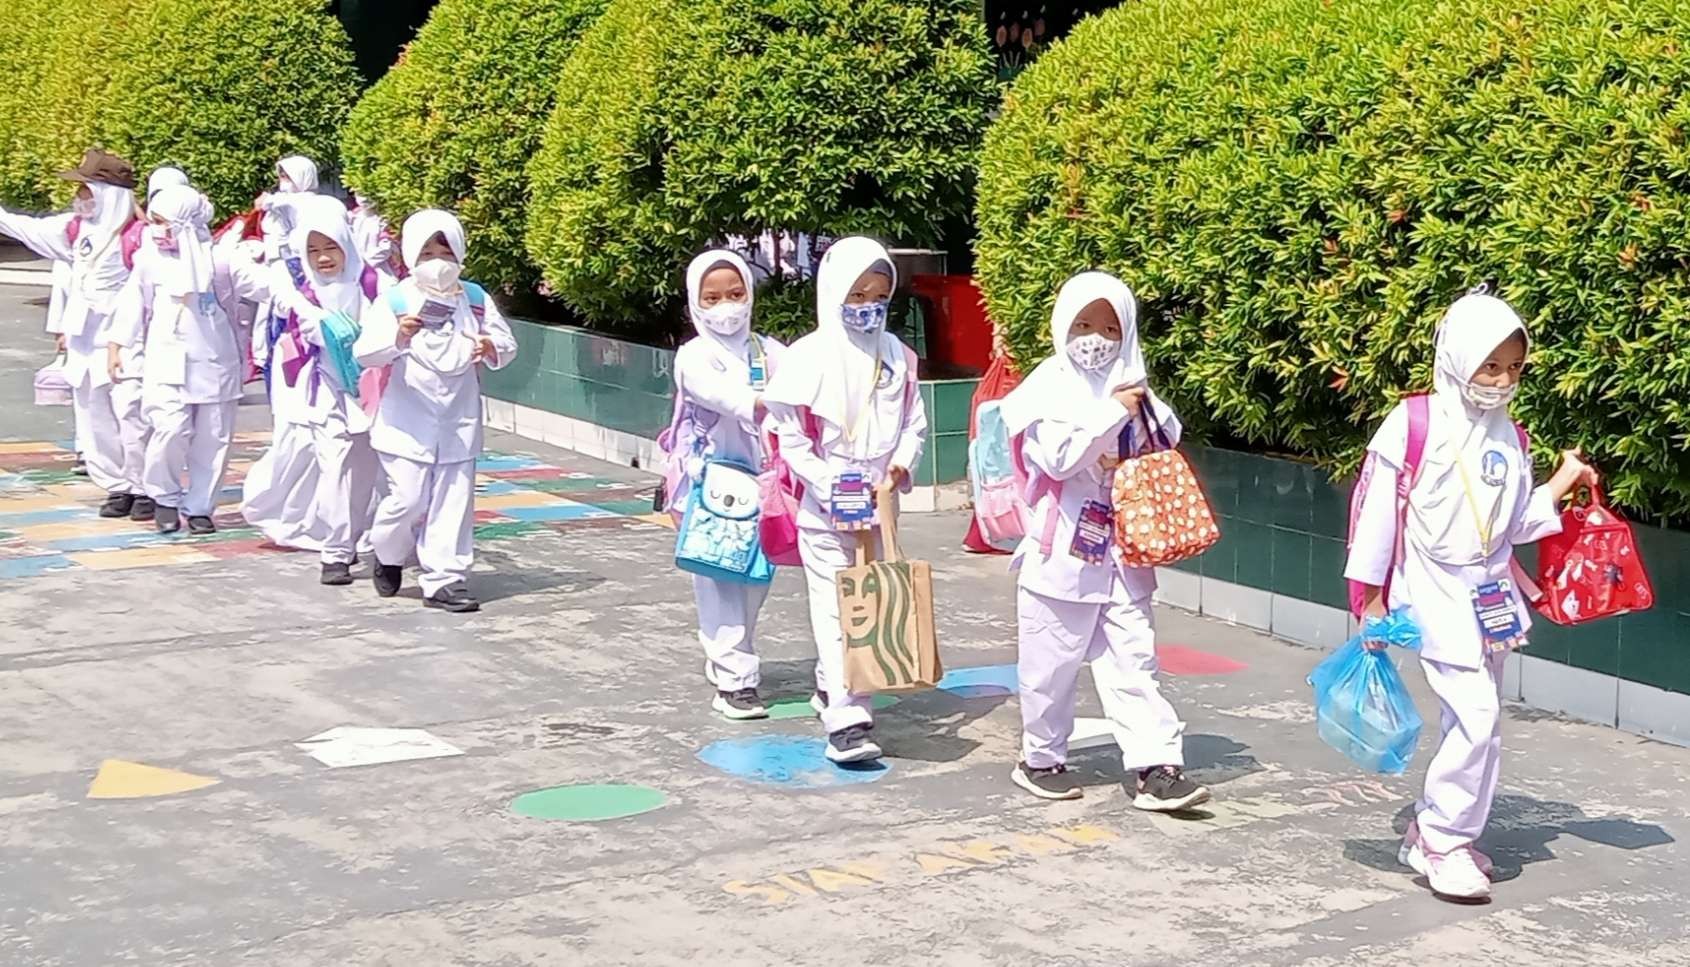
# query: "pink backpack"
[[1419, 422], [129, 240]]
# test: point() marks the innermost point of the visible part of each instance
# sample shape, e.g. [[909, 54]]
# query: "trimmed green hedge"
[[678, 122], [225, 88], [455, 122], [1298, 188]]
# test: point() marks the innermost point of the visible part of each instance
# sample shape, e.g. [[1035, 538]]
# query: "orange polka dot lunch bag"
[[1161, 513]]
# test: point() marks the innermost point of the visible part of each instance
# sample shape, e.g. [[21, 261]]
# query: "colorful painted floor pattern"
[[49, 516]]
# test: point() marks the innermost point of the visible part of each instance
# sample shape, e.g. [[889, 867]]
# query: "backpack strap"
[[369, 280], [129, 242], [73, 229], [1419, 425], [477, 301]]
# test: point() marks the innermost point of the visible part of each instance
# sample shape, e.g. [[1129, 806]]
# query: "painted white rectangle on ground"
[[1090, 733], [347, 745]]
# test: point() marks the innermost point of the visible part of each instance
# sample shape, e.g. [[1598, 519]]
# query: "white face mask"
[[438, 277], [84, 207], [284, 184], [1489, 397], [1093, 351], [725, 318]]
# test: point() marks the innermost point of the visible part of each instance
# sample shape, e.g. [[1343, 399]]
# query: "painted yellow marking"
[[1085, 835], [87, 527], [771, 895], [523, 498], [662, 520], [931, 863], [1222, 814], [36, 446], [118, 779], [984, 851], [44, 501], [1037, 844], [866, 869], [832, 881], [253, 436], [795, 885], [127, 557]]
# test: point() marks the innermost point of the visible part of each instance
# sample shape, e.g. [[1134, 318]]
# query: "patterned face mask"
[[1093, 351], [867, 317]]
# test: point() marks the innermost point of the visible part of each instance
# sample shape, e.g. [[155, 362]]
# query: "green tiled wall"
[[1283, 528], [630, 387]]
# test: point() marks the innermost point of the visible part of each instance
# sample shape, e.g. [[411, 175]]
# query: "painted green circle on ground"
[[588, 804], [799, 707]]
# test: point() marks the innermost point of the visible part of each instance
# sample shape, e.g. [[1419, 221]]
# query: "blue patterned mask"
[[868, 317]]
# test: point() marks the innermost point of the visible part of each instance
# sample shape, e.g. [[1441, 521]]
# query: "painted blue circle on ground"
[[786, 760]]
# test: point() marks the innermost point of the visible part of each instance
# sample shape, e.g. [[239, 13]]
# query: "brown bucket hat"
[[102, 166]]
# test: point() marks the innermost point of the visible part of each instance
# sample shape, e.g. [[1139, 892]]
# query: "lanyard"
[[757, 362], [855, 426], [1487, 529]]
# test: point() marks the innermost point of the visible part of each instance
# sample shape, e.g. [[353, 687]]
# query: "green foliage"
[[454, 123], [225, 88], [679, 122], [1297, 189]]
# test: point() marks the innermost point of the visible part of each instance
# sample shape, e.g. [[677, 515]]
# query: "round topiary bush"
[[454, 123], [225, 88], [1298, 188], [678, 123]]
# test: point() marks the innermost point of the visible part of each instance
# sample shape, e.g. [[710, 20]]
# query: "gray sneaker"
[[1165, 789], [739, 705], [1055, 782]]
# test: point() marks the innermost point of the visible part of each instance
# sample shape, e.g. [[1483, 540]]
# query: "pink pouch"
[[777, 521]]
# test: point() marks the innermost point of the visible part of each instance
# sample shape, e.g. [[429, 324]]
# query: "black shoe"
[[386, 578], [143, 509], [118, 505], [166, 519], [80, 467], [1055, 782], [852, 744], [818, 702], [336, 575], [739, 705], [1165, 789], [454, 598], [201, 525]]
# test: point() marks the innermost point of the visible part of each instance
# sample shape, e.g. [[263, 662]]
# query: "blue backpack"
[[1000, 505], [340, 332], [718, 537]]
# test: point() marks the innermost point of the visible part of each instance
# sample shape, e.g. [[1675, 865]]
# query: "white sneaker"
[[710, 674], [1456, 875], [1413, 856], [852, 744]]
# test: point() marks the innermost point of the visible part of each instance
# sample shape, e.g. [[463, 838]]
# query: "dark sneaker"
[[80, 467], [1055, 782], [386, 578], [118, 505], [201, 525], [166, 519], [739, 705], [852, 744], [143, 509], [336, 575], [818, 702], [454, 598], [1165, 789]]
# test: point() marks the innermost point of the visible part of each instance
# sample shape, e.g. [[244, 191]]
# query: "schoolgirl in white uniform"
[[427, 431], [1471, 502], [847, 414], [1076, 602], [343, 497], [721, 375], [99, 266], [177, 304]]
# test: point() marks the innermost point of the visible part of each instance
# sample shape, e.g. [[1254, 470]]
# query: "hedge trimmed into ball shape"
[[680, 123], [1297, 189], [454, 124], [225, 88]]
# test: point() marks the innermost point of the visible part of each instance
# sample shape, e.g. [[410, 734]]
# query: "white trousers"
[[102, 445], [1462, 777], [133, 429], [80, 413], [346, 486], [1119, 639], [440, 497], [279, 495], [825, 554], [195, 434], [727, 628]]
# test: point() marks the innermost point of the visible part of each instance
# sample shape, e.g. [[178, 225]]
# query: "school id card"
[[436, 315], [1495, 608], [1092, 531], [852, 503]]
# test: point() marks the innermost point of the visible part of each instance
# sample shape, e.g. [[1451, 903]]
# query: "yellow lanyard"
[[1486, 528], [855, 426]]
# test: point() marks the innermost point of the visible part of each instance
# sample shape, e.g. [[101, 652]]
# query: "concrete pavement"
[[217, 658]]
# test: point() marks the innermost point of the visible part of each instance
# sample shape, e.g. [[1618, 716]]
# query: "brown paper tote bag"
[[886, 614]]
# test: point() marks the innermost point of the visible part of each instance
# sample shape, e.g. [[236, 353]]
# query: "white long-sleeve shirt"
[[184, 350], [431, 409]]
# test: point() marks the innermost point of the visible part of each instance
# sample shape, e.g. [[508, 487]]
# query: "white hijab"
[[731, 348], [98, 266], [447, 351], [188, 272], [1463, 488], [279, 220], [835, 374], [300, 170], [1056, 385], [327, 217], [162, 178]]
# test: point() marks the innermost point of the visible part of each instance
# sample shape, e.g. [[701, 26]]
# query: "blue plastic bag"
[[1362, 707]]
